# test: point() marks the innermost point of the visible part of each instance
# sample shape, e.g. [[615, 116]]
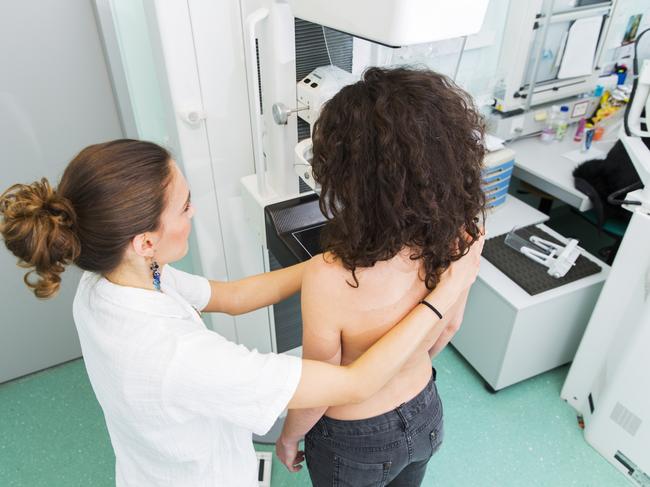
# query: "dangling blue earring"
[[156, 274]]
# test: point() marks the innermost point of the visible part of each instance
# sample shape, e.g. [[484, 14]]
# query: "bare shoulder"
[[325, 277], [326, 269]]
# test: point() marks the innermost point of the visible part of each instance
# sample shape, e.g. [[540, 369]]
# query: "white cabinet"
[[508, 335]]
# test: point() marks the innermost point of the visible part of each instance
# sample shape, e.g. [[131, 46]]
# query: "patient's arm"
[[321, 340], [455, 317]]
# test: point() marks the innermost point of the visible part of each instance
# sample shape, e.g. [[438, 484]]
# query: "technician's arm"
[[251, 293], [324, 384]]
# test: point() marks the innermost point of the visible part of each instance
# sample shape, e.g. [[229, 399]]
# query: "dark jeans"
[[392, 449]]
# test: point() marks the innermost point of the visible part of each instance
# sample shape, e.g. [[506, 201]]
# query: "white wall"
[[55, 98]]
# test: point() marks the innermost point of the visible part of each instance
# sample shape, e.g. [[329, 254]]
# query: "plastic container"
[[562, 123], [599, 130], [580, 131], [550, 128], [589, 136]]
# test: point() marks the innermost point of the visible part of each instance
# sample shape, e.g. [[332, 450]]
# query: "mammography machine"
[[609, 383]]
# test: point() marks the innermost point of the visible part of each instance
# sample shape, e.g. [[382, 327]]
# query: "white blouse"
[[180, 401]]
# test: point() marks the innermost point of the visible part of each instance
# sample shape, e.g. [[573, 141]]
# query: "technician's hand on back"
[[180, 401]]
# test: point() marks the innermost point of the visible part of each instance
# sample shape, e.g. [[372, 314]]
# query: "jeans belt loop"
[[323, 427], [400, 412]]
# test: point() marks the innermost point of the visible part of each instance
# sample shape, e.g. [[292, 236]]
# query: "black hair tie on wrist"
[[432, 308]]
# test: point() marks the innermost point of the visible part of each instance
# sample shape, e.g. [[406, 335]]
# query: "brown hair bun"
[[38, 227]]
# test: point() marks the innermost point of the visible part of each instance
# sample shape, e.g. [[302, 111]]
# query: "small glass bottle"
[[549, 130]]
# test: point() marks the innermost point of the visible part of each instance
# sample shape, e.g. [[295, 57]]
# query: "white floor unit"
[[523, 335]]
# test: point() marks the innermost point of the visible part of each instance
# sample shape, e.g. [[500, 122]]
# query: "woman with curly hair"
[[398, 156]]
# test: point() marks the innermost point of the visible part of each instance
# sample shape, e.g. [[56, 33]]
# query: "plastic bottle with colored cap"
[[562, 123]]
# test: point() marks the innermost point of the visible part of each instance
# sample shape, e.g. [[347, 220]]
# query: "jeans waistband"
[[406, 414]]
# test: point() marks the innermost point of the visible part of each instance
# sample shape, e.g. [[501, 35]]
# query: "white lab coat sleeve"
[[212, 377], [194, 289]]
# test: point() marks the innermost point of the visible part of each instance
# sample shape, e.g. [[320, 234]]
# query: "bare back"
[[386, 293]]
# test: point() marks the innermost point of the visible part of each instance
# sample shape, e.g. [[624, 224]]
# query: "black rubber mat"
[[527, 274]]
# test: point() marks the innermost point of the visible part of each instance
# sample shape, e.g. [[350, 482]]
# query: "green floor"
[[52, 434]]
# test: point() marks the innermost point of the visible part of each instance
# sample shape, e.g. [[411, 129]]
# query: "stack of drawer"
[[497, 170]]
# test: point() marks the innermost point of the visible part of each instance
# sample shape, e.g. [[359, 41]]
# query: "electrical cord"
[[612, 199], [635, 74], [326, 45]]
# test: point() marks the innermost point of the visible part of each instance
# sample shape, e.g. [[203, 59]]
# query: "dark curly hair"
[[398, 156]]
